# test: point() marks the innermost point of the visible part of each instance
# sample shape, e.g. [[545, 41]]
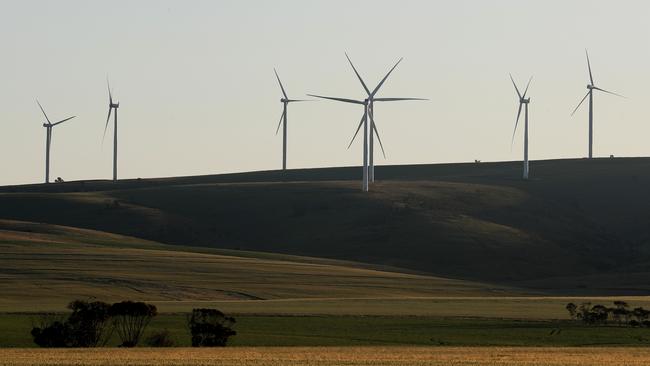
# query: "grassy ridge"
[[575, 228]]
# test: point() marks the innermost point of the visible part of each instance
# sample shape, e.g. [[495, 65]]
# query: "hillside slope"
[[46, 266], [574, 219]]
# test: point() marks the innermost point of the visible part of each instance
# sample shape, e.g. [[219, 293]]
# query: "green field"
[[378, 331]]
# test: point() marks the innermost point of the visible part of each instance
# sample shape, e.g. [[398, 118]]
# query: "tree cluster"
[[91, 324], [620, 314]]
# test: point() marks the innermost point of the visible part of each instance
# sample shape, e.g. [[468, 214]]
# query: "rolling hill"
[[43, 267], [577, 226]]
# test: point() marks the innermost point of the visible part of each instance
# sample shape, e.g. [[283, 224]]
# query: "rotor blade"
[[67, 119], [395, 99], [579, 104], [591, 77], [609, 92], [356, 72], [374, 128], [515, 84], [384, 79], [280, 123], [299, 100], [42, 110], [110, 95], [516, 124], [110, 109], [281, 87], [358, 128], [338, 99], [527, 85]]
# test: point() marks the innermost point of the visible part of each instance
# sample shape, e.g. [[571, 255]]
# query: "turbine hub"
[[282, 100], [589, 86]]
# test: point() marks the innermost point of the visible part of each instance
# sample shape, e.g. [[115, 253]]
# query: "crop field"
[[349, 356], [332, 331]]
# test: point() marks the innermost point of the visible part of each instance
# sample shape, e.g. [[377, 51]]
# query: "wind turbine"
[[368, 117], [371, 111], [111, 106], [523, 102], [590, 93], [283, 120], [48, 139]]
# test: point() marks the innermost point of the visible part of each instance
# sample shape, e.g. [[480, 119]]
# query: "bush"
[[210, 328], [130, 319], [86, 326], [160, 339], [56, 334]]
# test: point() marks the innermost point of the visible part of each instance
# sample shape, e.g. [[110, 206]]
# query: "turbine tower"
[[590, 93], [523, 102], [48, 139], [111, 106], [371, 99], [283, 120], [368, 117]]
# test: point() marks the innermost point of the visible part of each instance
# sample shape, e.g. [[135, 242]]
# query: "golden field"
[[289, 356]]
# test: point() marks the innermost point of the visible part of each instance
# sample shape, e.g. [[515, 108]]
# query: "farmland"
[[331, 356]]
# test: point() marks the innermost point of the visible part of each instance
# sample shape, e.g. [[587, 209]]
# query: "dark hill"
[[574, 219]]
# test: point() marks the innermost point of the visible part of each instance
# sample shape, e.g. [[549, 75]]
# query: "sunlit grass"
[[326, 356]]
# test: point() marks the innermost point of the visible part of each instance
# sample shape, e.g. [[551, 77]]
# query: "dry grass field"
[[349, 356], [54, 264]]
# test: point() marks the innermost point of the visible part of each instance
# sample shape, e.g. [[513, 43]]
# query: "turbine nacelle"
[[46, 125], [590, 87], [284, 100], [524, 100]]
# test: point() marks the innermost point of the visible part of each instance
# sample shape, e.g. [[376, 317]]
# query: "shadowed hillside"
[[574, 220]]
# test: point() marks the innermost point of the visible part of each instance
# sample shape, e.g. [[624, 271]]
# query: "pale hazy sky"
[[198, 95]]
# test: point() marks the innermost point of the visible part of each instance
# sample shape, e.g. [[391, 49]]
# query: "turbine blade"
[[395, 99], [591, 77], [516, 124], [67, 119], [280, 123], [515, 85], [358, 128], [356, 72], [384, 79], [374, 128], [110, 95], [579, 104], [609, 92], [337, 99], [42, 110], [298, 100], [110, 109], [281, 87], [527, 86]]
